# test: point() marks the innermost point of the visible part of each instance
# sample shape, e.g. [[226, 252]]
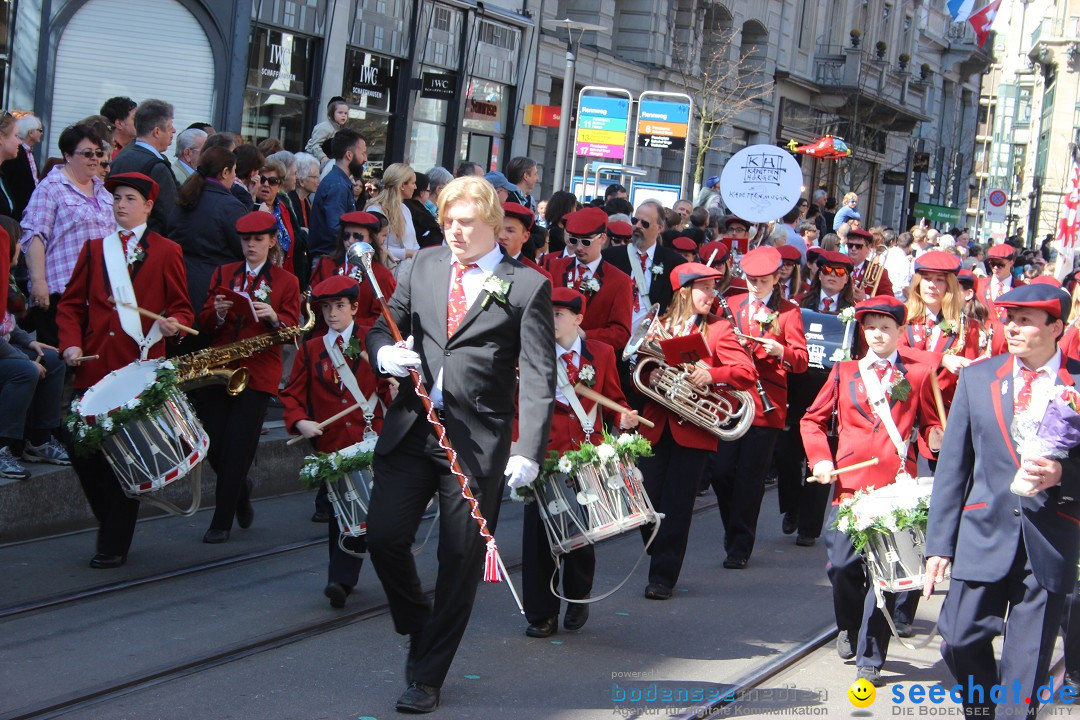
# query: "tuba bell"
[[722, 410]]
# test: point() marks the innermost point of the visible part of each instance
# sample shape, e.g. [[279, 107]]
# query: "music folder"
[[687, 349], [238, 299]]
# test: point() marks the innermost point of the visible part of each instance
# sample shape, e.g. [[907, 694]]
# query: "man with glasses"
[[188, 147], [307, 182], [859, 245], [1000, 258], [609, 291], [154, 133]]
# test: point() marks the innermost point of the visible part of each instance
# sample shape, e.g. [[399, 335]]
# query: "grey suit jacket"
[[136, 158], [480, 362], [180, 172], [974, 518]]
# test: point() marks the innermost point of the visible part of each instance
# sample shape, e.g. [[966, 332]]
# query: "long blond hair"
[[952, 305], [679, 311], [390, 199], [1074, 311]]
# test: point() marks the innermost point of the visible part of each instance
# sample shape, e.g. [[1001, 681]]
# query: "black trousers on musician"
[[671, 478], [234, 424], [738, 471], [806, 501], [344, 568], [115, 512], [405, 481], [538, 567]]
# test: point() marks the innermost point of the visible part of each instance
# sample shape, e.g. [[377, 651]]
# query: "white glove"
[[397, 359], [521, 471]]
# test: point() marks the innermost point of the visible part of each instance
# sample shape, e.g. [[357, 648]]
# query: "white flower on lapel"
[[495, 288], [847, 315], [657, 269], [589, 286], [134, 254], [262, 293], [587, 375]]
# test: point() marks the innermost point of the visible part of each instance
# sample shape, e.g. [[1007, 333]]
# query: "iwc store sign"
[[438, 86], [369, 81]]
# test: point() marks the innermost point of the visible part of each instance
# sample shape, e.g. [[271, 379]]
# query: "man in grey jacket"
[[154, 133]]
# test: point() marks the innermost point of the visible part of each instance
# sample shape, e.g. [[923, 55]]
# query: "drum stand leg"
[[879, 598], [347, 551]]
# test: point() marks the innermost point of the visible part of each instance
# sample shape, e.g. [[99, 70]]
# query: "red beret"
[[966, 278], [790, 252], [832, 257], [1002, 251], [363, 219], [937, 261], [722, 251], [1040, 296], [142, 184], [761, 261], [689, 273], [813, 253], [736, 220], [882, 305], [256, 223], [620, 229], [519, 212], [1044, 280], [684, 244], [336, 286], [586, 223], [570, 299], [860, 233]]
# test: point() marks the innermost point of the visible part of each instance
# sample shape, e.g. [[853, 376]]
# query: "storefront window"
[[484, 123], [279, 79], [370, 82]]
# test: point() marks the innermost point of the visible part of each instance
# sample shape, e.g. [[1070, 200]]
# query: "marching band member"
[[727, 285], [578, 359], [680, 449], [608, 289], [859, 245], [791, 284], [975, 310], [148, 270], [739, 467], [619, 232], [235, 422], [1013, 557], [685, 247], [517, 224], [357, 227], [859, 392], [999, 259], [802, 504], [331, 372]]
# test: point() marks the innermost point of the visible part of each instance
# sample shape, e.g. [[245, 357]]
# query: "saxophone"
[[206, 367]]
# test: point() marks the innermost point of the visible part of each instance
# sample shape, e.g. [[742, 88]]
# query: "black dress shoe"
[[245, 514], [735, 563], [543, 628], [320, 516], [215, 537], [805, 541], [412, 656], [577, 614], [656, 591], [101, 561], [790, 523], [337, 594], [419, 698], [1072, 680]]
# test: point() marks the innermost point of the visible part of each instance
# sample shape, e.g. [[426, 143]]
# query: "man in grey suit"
[[475, 319], [1012, 555], [188, 147], [153, 135]]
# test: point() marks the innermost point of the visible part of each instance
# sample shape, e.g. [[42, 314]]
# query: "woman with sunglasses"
[[268, 195], [681, 449], [357, 227], [791, 284], [999, 261], [68, 207]]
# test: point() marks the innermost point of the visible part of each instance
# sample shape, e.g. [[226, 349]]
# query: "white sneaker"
[[11, 467], [51, 452]]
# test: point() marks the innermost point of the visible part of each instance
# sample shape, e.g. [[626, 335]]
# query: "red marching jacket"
[[916, 337], [730, 364], [284, 297], [773, 371], [86, 319], [314, 392], [369, 309], [566, 431], [861, 434], [608, 312]]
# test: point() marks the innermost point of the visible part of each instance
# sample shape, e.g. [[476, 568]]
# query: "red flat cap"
[[363, 219], [519, 212], [684, 244], [256, 223], [761, 261], [860, 233], [1002, 251], [1044, 280], [832, 257], [586, 223], [144, 185], [337, 286], [620, 229], [813, 254], [790, 252], [966, 278], [721, 249], [570, 299], [1040, 296], [689, 273], [937, 261], [882, 305]]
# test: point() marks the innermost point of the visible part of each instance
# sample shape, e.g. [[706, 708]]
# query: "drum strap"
[[587, 420], [880, 406], [124, 294], [341, 366]]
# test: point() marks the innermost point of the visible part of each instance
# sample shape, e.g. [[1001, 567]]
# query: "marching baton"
[[938, 401], [494, 569], [327, 421], [840, 471], [609, 404], [153, 315]]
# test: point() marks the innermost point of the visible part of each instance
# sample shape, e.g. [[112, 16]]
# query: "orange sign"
[[675, 130], [543, 115]]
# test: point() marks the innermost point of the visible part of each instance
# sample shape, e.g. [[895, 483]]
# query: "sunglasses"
[[88, 153], [855, 246], [272, 182], [997, 263], [585, 242], [645, 224], [830, 270], [355, 236], [104, 164]]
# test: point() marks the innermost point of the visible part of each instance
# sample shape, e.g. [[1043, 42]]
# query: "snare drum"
[[595, 501], [150, 452], [350, 491], [896, 560]]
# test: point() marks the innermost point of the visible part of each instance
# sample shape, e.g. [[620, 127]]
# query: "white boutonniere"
[[657, 269], [496, 289], [589, 286], [764, 319], [135, 254], [262, 293], [847, 315], [587, 375]]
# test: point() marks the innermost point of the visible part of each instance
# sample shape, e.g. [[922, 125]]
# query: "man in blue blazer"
[[1010, 554]]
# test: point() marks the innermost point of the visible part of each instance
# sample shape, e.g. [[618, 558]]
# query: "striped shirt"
[[64, 218]]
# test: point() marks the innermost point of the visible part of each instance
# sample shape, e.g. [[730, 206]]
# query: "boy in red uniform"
[[576, 420], [331, 373], [850, 392]]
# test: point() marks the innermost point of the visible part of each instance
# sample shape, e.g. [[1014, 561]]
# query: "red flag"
[[982, 21], [1069, 224]]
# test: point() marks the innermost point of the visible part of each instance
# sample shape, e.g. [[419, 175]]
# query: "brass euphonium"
[[206, 367], [722, 410]]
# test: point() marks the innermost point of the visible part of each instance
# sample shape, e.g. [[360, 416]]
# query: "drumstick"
[[87, 357], [840, 471], [609, 404], [748, 337], [711, 257], [938, 401], [153, 315], [327, 421]]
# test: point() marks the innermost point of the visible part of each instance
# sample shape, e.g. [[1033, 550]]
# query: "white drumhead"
[[118, 387]]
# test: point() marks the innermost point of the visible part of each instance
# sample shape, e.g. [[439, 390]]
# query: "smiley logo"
[[862, 693]]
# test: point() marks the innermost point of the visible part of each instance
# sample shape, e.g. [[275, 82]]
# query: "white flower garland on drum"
[[868, 512], [89, 431], [627, 447], [328, 466]]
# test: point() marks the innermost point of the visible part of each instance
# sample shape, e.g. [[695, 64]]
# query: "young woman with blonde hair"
[[399, 182]]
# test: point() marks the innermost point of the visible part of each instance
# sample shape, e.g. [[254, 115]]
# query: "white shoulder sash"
[[124, 295], [879, 404], [587, 420], [337, 359], [638, 274]]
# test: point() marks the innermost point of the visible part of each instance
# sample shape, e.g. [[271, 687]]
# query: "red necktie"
[[881, 367], [858, 273], [340, 343], [931, 323], [126, 237], [250, 284], [826, 303], [1023, 398], [571, 368], [582, 272], [457, 306], [756, 307]]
